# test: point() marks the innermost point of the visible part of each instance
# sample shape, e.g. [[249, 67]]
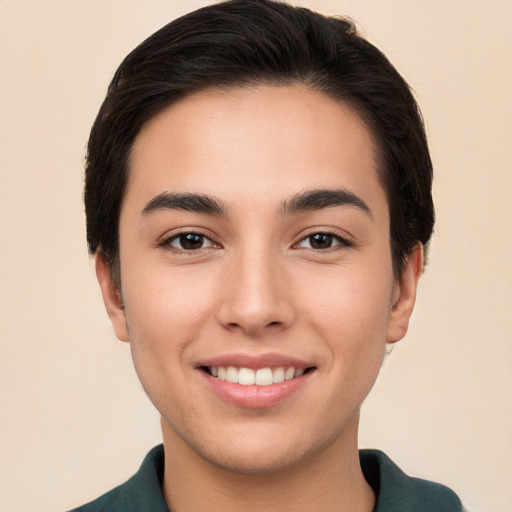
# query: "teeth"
[[264, 377], [232, 374], [289, 374], [260, 377], [278, 375], [246, 376]]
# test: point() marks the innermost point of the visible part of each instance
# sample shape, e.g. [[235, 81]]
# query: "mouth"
[[265, 376]]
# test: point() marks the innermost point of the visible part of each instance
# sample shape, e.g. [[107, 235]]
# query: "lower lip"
[[255, 396]]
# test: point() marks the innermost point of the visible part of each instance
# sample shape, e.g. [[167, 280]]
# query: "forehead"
[[265, 141]]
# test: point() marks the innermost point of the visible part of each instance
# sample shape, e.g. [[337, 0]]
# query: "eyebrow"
[[308, 200], [323, 198], [189, 202]]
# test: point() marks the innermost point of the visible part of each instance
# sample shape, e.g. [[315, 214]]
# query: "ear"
[[404, 295], [112, 298]]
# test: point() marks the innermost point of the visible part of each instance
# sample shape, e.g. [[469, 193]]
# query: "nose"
[[255, 295]]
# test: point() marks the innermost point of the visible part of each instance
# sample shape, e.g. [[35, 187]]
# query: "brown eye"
[[323, 241], [320, 241], [189, 242]]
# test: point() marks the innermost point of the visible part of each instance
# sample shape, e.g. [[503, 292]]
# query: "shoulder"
[[116, 499], [398, 492], [141, 492]]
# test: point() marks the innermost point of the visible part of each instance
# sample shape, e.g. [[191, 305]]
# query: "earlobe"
[[405, 296], [112, 298]]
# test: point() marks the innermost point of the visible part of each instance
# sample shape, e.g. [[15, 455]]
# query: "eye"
[[323, 241], [188, 242]]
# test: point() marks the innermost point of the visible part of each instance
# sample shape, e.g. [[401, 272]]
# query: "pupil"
[[191, 241], [321, 241]]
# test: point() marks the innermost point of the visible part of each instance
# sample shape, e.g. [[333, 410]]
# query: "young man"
[[258, 198]]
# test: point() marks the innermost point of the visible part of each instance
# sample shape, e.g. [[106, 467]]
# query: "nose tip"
[[255, 299], [252, 320]]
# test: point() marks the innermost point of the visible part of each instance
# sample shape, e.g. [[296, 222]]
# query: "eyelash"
[[339, 242], [166, 243]]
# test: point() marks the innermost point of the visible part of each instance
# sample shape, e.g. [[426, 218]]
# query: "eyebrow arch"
[[189, 202], [323, 198]]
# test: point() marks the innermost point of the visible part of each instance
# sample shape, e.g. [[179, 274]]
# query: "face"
[[256, 274]]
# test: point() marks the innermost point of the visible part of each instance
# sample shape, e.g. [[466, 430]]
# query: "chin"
[[257, 461], [265, 450]]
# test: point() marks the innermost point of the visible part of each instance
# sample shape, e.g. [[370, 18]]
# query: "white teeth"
[[278, 375], [289, 374], [232, 374], [246, 376], [264, 377], [260, 377]]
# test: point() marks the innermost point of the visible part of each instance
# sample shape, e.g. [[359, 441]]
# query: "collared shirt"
[[395, 491]]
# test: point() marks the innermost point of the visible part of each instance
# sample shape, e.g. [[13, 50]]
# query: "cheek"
[[350, 310], [166, 302], [166, 311], [350, 300]]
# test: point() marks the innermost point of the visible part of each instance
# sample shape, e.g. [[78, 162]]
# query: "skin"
[[258, 285]]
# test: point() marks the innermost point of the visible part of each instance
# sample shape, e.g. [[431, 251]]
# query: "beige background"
[[75, 421]]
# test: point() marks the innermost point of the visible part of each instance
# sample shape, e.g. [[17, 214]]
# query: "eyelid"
[[166, 240], [345, 240]]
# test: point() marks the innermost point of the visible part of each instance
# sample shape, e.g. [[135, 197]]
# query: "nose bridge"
[[254, 294]]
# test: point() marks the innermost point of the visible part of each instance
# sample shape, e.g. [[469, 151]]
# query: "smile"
[[259, 377]]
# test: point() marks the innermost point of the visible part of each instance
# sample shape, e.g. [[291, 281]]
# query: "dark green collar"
[[395, 491], [141, 493]]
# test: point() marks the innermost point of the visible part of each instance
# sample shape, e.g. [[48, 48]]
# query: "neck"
[[331, 480]]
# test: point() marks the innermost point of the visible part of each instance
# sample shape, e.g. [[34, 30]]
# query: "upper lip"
[[255, 361]]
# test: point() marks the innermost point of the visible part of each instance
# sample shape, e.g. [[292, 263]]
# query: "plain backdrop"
[[74, 420]]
